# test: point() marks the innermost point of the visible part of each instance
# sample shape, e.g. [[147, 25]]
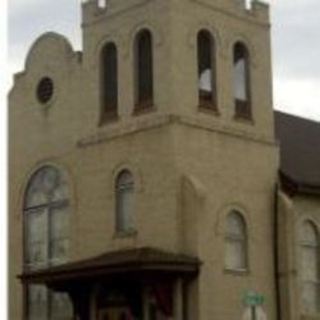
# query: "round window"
[[45, 90]]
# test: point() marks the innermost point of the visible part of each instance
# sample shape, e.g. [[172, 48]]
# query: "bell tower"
[[194, 98], [238, 63], [140, 30], [209, 59]]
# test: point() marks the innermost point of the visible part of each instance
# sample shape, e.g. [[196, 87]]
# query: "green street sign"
[[253, 298]]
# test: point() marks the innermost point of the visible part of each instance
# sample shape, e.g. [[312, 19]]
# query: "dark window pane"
[[109, 81], [206, 70], [45, 90], [241, 81], [144, 69]]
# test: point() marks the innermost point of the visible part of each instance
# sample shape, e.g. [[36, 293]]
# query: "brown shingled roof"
[[116, 262], [299, 150]]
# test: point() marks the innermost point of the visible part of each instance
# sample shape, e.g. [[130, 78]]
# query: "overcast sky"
[[295, 33]]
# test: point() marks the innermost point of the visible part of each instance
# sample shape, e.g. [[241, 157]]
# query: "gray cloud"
[[296, 31], [29, 20], [296, 52]]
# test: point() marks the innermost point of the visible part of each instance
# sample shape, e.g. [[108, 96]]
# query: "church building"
[[150, 177]]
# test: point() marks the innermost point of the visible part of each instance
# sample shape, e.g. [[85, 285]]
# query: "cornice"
[[121, 129]]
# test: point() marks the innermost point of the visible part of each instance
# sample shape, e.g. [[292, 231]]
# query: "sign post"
[[252, 300]]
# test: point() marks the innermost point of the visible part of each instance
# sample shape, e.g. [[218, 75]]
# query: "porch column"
[[93, 306], [178, 300], [145, 303]]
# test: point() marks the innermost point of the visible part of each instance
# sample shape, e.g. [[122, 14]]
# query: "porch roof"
[[129, 261]]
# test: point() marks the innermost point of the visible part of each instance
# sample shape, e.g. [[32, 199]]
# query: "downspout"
[[276, 253]]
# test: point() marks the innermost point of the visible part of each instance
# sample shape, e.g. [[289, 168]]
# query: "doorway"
[[114, 313]]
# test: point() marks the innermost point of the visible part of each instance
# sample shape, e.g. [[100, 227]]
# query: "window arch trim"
[[125, 191], [31, 178], [58, 166], [315, 228], [135, 171]]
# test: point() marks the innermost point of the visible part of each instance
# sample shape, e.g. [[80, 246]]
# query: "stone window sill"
[[237, 272], [244, 119], [310, 316], [143, 107], [209, 109], [125, 234], [108, 117]]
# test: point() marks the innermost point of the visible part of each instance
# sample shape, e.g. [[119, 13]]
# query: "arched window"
[[46, 217], [143, 70], [109, 82], [236, 242], [124, 202], [241, 81], [309, 267], [206, 70]]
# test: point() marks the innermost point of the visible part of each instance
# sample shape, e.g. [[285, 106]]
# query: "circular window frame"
[[45, 90]]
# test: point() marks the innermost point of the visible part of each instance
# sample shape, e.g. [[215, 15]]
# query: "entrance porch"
[[136, 284]]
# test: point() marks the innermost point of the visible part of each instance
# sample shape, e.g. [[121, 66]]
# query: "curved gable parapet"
[[49, 45], [51, 55]]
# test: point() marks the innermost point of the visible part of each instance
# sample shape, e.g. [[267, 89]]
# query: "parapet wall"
[[94, 9]]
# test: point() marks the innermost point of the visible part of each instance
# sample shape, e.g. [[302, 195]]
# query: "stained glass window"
[[309, 268], [46, 217], [125, 201], [236, 242]]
